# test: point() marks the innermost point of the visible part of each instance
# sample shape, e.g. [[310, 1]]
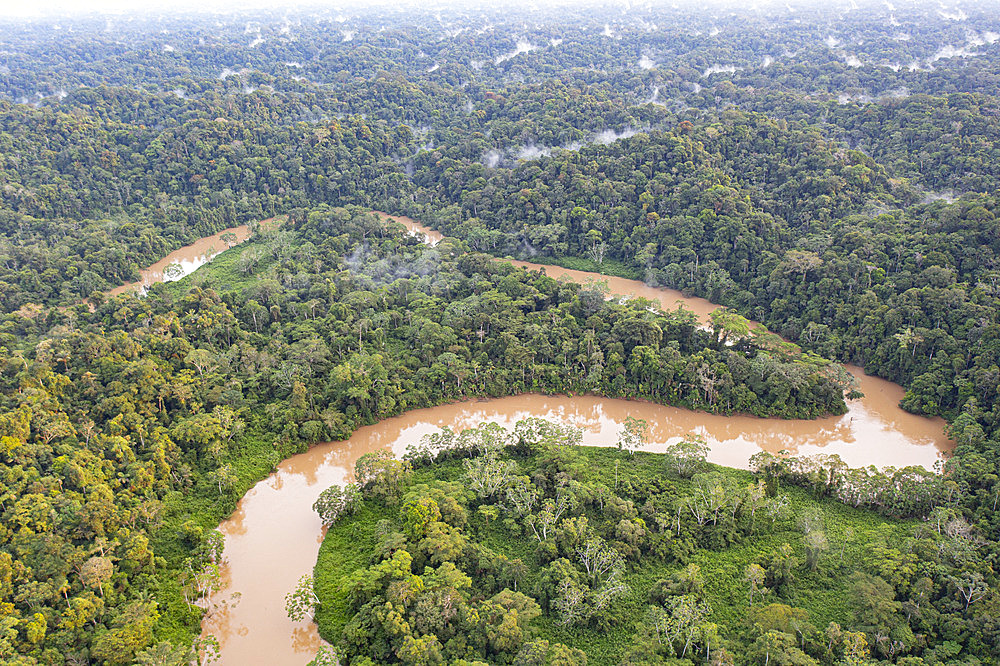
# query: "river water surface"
[[188, 259], [273, 537]]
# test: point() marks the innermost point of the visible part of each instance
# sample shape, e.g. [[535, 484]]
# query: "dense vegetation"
[[829, 172], [795, 244], [517, 547], [130, 431]]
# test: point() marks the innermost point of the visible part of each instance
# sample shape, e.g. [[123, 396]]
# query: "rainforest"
[[541, 335]]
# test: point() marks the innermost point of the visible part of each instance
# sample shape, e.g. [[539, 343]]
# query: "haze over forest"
[[723, 280]]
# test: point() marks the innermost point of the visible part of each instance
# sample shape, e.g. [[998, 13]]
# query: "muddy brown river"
[[186, 260], [273, 537]]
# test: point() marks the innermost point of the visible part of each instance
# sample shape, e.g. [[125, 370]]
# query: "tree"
[[130, 632], [172, 272], [507, 616], [601, 562], [521, 496], [200, 581], [681, 624], [776, 648], [535, 432], [80, 610], [855, 648], [489, 512], [548, 515], [336, 502], [755, 576], [571, 603], [688, 580], [876, 612], [209, 432], [712, 493], [417, 515], [816, 545], [597, 246], [325, 656], [687, 456], [166, 653], [540, 652], [781, 567], [786, 619], [729, 327], [302, 601], [420, 651], [225, 478], [971, 587], [635, 435], [382, 475], [488, 474], [95, 572], [202, 359], [442, 542]]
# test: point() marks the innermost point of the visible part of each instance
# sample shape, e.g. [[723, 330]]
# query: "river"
[[188, 259], [273, 537]]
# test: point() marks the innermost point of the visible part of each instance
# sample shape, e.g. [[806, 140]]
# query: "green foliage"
[[417, 515], [732, 581], [336, 502], [380, 475], [302, 601], [786, 189]]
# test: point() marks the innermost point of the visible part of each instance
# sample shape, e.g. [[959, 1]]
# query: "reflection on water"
[[431, 237], [273, 537], [182, 262], [667, 298]]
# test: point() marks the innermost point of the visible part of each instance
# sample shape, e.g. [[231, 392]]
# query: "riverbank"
[[184, 261], [720, 550], [274, 523]]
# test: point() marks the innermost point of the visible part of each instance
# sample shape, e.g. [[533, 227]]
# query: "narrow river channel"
[[273, 537], [186, 260]]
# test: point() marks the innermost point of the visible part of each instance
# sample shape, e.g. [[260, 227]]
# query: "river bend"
[[273, 537]]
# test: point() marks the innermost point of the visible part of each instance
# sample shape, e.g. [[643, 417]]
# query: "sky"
[[28, 8], [33, 8]]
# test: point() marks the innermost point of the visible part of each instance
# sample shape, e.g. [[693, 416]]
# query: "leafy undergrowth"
[[642, 482], [231, 270]]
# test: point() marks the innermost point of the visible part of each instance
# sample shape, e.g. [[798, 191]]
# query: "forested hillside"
[[828, 171]]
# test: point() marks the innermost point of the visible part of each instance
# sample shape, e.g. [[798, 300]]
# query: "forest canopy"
[[830, 172], [520, 547]]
